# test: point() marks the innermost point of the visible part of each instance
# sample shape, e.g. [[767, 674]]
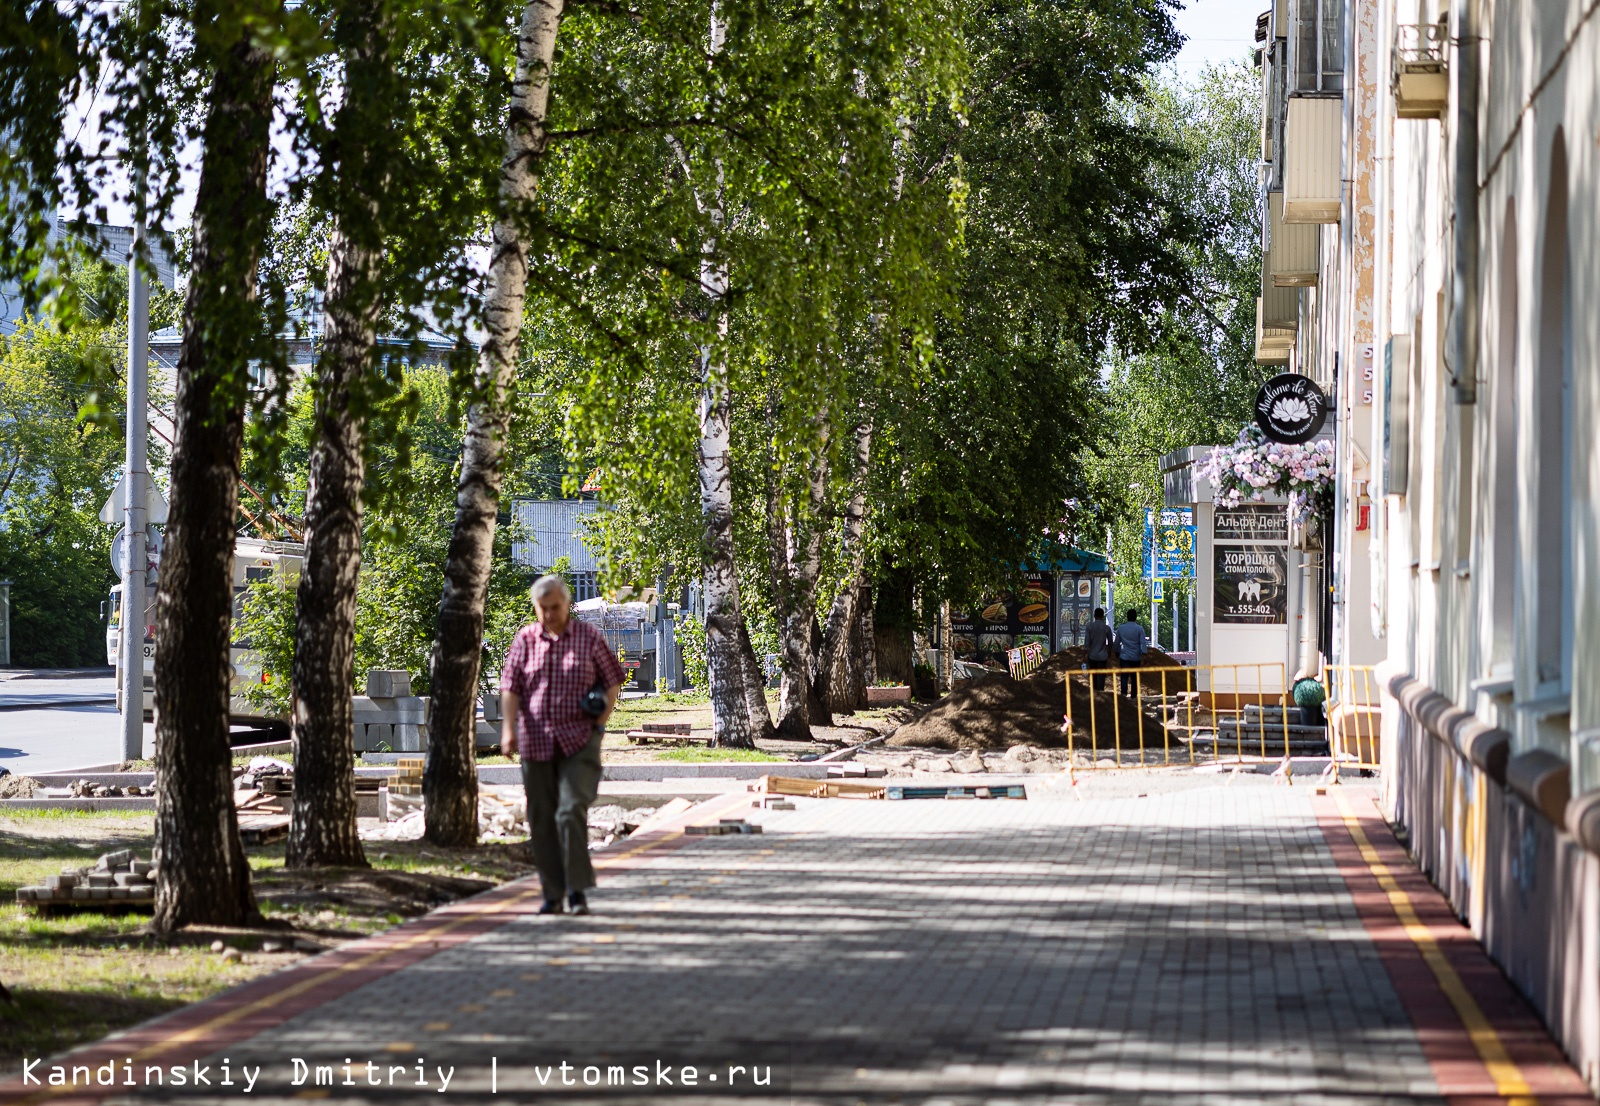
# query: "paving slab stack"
[[116, 877]]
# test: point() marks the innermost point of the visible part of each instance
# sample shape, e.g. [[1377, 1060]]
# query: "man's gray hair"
[[544, 585]]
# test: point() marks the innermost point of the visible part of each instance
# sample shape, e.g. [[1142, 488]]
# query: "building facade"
[[1431, 256]]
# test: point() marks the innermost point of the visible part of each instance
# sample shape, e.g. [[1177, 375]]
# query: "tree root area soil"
[[996, 712]]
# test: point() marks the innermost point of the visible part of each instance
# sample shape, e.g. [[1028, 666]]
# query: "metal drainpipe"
[[1465, 298]]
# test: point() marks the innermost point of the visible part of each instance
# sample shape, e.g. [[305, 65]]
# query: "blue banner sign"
[[1169, 543]]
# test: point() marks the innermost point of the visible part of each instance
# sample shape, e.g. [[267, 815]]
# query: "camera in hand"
[[595, 700]]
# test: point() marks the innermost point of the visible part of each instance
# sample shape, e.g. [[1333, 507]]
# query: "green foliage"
[[1073, 246], [1309, 693], [691, 639], [404, 544], [668, 165], [55, 471], [1195, 383], [267, 624]]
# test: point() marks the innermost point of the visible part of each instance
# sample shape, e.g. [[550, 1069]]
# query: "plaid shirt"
[[549, 675]]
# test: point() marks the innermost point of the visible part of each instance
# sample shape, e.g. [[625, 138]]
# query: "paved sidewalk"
[[1188, 946]]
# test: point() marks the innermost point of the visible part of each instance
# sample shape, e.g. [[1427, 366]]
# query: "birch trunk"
[[725, 670], [205, 877], [796, 558], [450, 780], [755, 686], [733, 717], [946, 648], [835, 681]]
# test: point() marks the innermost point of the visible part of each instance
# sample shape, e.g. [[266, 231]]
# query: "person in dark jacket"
[[1131, 647], [1097, 645]]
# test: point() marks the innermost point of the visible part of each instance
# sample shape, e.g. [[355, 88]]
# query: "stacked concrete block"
[[117, 878], [388, 718], [488, 723]]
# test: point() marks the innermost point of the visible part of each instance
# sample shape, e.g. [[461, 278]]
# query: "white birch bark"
[[450, 781], [839, 678], [734, 719], [796, 555]]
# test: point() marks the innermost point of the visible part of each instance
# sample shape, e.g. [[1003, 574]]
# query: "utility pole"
[[137, 469]]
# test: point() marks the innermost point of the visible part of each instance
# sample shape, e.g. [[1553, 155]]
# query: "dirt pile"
[[17, 787], [996, 712]]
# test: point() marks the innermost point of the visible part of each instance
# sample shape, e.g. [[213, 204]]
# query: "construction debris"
[[117, 879], [836, 789], [816, 789], [996, 712], [722, 827], [1006, 791], [18, 787]]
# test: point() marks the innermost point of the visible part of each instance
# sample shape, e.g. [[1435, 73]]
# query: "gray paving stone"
[[1193, 946]]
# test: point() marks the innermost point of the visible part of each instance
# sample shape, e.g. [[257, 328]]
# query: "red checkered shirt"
[[549, 675]]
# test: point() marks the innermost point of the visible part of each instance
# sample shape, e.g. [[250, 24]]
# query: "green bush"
[[692, 648]]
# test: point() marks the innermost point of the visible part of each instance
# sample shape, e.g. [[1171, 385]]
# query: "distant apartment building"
[[1431, 256], [113, 244]]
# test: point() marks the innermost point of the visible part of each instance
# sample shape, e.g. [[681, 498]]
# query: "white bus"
[[253, 559]]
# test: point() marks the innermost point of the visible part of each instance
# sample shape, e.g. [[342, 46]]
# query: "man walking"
[[1097, 645], [1131, 646], [547, 718]]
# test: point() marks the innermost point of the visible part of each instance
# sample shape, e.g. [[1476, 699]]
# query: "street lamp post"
[[137, 467], [5, 623]]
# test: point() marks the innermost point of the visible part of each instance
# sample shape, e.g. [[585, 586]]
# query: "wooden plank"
[[820, 789], [683, 728], [263, 829], [649, 737]]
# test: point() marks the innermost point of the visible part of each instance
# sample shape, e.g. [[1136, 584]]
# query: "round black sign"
[[1290, 408]]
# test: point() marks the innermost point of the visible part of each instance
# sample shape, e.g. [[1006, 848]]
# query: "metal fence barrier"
[[1185, 715], [1355, 716]]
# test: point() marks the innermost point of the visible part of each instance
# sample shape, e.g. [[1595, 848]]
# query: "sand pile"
[[997, 712]]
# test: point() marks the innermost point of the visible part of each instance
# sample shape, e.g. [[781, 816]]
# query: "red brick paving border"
[[199, 1030], [1461, 1074]]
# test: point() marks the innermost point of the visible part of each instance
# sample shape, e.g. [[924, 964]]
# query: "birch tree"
[[205, 876], [397, 175], [450, 779], [768, 221]]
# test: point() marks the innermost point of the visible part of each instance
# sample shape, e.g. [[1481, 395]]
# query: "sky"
[[1217, 31]]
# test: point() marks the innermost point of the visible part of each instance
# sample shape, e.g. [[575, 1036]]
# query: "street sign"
[[152, 547], [117, 502], [1169, 543], [1159, 593]]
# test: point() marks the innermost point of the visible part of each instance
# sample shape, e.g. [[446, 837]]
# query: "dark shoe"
[[553, 906], [577, 904]]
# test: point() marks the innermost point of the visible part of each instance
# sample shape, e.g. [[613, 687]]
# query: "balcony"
[[1421, 81], [1273, 343], [1289, 249], [1313, 189]]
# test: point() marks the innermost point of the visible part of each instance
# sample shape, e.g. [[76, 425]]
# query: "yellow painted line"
[[1509, 1081], [266, 1002]]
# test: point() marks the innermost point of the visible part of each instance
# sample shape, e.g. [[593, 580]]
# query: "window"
[[1501, 514], [1552, 459]]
